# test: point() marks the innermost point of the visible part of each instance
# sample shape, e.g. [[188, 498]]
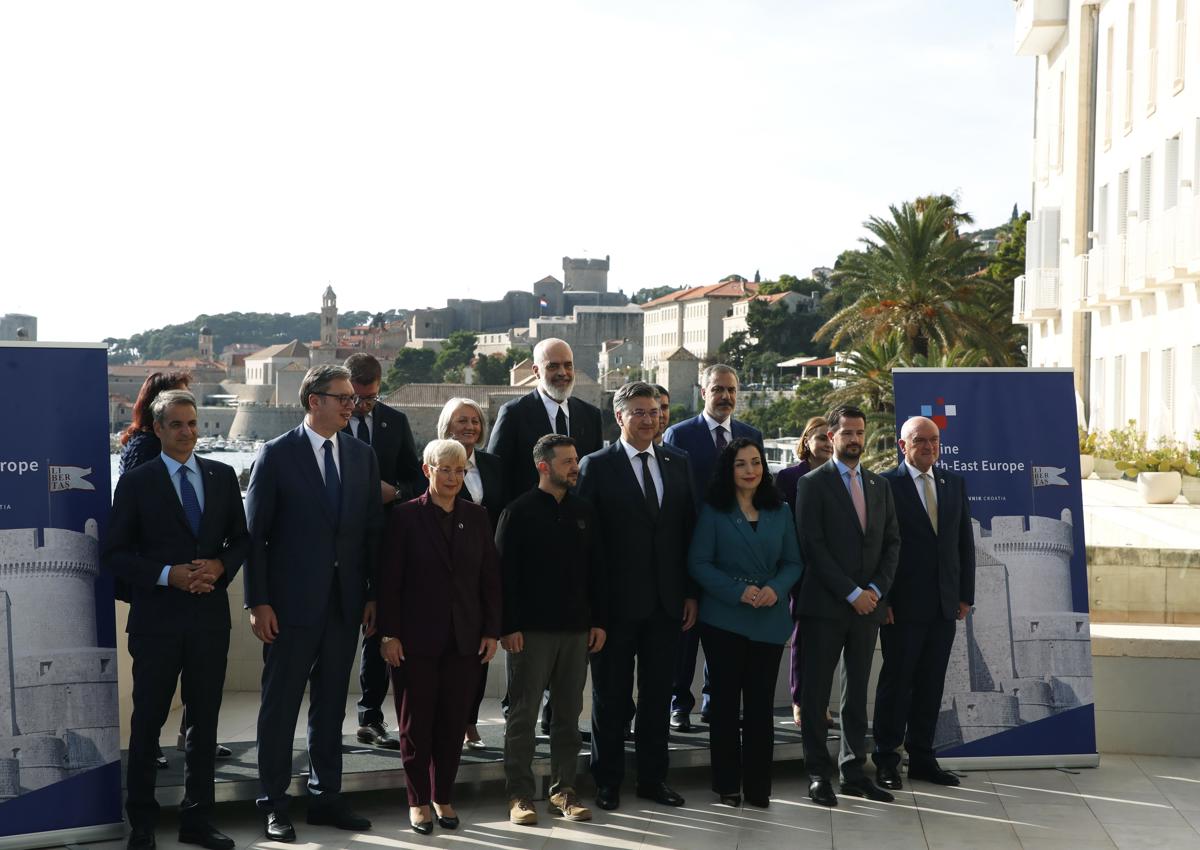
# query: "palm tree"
[[913, 281]]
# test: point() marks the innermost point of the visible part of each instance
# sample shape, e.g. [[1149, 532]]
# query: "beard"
[[559, 394]]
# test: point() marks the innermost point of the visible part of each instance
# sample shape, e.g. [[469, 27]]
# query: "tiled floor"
[[1128, 802]]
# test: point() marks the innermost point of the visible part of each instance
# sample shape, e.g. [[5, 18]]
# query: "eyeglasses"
[[450, 472], [642, 414], [366, 399], [342, 399]]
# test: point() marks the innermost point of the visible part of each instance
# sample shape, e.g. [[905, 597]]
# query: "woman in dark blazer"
[[746, 559], [439, 616], [138, 442], [814, 449], [462, 419]]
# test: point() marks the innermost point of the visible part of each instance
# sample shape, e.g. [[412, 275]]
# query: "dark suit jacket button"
[[335, 563]]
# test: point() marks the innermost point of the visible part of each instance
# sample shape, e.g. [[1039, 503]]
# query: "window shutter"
[[1102, 214], [1171, 174], [1147, 183], [1123, 203], [1049, 246], [1168, 392]]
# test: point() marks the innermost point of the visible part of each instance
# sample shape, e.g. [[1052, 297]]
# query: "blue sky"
[[240, 156]]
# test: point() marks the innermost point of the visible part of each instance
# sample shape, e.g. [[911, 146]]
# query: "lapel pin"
[[941, 481], [460, 525], [382, 424]]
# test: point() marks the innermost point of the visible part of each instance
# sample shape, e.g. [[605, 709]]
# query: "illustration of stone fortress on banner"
[[1023, 653], [58, 689]]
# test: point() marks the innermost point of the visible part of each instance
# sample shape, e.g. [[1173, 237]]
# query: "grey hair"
[[539, 350], [318, 379], [437, 451], [628, 392], [443, 423], [716, 369], [165, 399]]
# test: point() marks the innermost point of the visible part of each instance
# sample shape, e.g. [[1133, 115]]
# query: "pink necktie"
[[856, 496]]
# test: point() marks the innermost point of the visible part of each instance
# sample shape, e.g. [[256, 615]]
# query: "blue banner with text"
[[1020, 676], [60, 735]]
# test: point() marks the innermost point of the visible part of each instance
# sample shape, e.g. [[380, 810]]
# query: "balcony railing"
[[1082, 284], [1036, 296], [1039, 25]]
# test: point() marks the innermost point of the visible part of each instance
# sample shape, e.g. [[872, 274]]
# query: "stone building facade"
[[1023, 654], [58, 689]]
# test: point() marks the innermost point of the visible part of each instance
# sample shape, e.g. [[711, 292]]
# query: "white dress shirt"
[[318, 447], [916, 477], [473, 480], [636, 462], [713, 425], [552, 408]]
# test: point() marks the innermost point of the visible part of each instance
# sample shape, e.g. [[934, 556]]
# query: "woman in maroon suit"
[[439, 615]]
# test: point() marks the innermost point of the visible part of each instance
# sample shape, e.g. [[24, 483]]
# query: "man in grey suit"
[[315, 516], [851, 542]]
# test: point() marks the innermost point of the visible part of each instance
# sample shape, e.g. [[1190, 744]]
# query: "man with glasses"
[[315, 518], [387, 431], [642, 496], [704, 437]]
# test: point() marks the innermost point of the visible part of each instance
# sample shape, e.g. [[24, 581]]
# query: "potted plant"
[[1159, 472], [1191, 480], [1087, 451], [1119, 444]]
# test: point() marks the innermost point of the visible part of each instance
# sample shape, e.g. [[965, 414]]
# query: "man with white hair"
[[934, 587], [549, 409]]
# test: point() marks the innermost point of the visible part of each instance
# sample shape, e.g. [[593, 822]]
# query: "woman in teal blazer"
[[746, 559]]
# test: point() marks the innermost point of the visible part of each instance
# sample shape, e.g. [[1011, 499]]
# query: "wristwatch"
[[386, 639]]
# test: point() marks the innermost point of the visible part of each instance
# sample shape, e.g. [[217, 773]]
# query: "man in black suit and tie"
[[177, 536], [846, 520], [315, 517], [934, 587], [642, 495], [549, 409], [387, 431]]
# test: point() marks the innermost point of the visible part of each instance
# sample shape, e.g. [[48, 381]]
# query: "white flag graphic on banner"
[[1049, 476], [70, 478]]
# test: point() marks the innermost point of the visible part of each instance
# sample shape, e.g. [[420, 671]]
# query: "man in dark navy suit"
[[177, 537], [549, 409], [315, 518], [642, 496], [387, 431], [703, 437], [934, 587]]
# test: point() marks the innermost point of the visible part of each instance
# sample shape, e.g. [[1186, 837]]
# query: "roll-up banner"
[[1019, 686], [60, 735]]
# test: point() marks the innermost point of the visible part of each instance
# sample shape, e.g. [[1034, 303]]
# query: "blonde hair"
[[443, 423], [438, 451], [811, 427]]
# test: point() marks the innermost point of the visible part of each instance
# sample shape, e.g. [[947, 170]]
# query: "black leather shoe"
[[704, 717], [448, 823], [141, 839], [934, 774], [377, 735], [661, 794], [608, 797], [279, 827], [223, 752], [337, 815], [821, 792], [206, 836], [734, 800], [160, 760], [866, 788], [423, 827], [758, 802], [680, 722], [888, 777]]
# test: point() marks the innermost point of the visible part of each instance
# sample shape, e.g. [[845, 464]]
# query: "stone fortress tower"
[[585, 275], [1023, 654], [58, 689]]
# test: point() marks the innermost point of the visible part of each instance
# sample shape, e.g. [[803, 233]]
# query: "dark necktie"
[[560, 423], [363, 432], [648, 488], [191, 504], [719, 434], [333, 484]]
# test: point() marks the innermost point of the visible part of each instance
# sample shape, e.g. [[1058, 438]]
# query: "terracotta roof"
[[727, 289]]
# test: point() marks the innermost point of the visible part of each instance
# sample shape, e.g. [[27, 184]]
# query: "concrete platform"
[[1115, 515]]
